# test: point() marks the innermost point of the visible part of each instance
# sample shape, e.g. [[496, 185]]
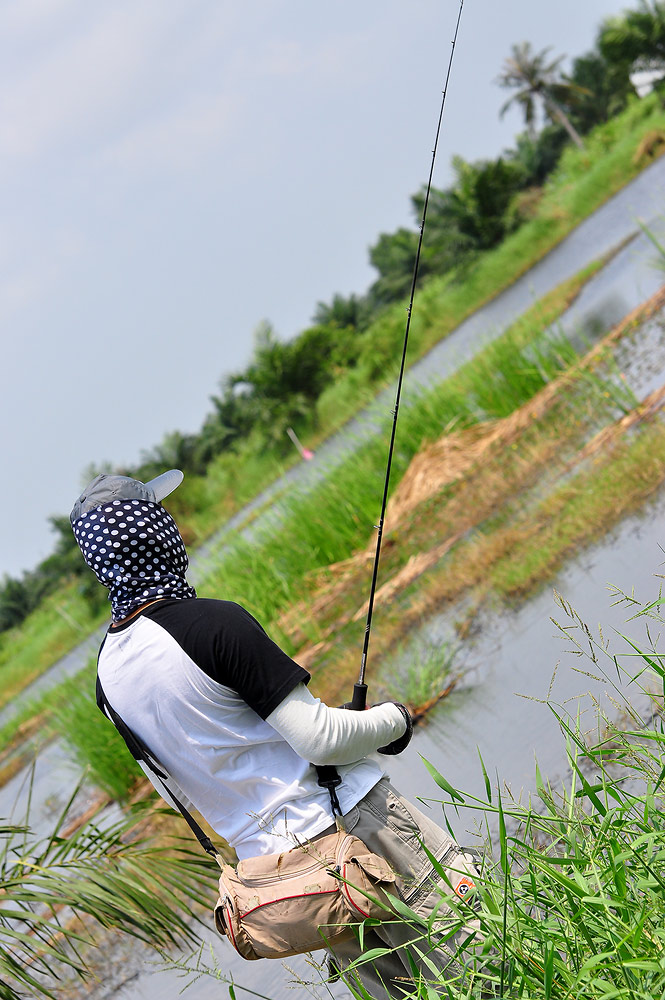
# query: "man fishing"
[[230, 719]]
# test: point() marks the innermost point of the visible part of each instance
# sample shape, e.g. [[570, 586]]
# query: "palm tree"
[[536, 78], [636, 38], [103, 875]]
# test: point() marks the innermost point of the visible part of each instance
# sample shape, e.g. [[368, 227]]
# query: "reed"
[[418, 674], [63, 894], [570, 899]]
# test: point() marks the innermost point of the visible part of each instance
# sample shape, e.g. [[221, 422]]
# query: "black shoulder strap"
[[141, 752]]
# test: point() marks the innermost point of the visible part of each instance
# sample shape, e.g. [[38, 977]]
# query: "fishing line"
[[360, 688]]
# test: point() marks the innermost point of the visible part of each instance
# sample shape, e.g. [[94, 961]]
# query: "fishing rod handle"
[[359, 700]]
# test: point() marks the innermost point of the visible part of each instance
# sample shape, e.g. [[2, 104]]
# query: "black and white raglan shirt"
[[228, 715]]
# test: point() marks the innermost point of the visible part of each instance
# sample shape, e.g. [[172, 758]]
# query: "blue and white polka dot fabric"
[[135, 549]]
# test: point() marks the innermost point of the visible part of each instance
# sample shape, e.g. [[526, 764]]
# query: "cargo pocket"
[[461, 874]]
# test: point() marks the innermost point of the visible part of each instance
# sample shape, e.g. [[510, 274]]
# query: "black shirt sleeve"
[[230, 646]]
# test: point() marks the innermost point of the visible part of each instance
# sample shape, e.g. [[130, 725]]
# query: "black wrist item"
[[397, 746]]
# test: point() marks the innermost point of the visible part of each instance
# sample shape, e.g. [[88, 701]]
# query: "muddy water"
[[40, 792], [520, 658]]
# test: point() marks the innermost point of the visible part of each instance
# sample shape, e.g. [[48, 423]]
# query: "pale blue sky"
[[174, 171]]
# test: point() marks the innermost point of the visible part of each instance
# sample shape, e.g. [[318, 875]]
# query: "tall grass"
[[326, 525], [95, 743], [571, 898], [417, 675]]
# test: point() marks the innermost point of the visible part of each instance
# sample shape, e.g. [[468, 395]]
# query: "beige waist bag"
[[301, 900], [284, 904]]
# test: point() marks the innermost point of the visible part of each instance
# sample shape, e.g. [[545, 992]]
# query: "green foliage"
[[605, 89], [16, 601], [636, 38], [94, 741], [537, 156], [462, 221], [283, 380], [352, 311], [101, 873], [534, 78], [394, 256], [176, 451], [480, 199]]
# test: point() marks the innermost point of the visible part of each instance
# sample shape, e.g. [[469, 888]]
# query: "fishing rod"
[[359, 700]]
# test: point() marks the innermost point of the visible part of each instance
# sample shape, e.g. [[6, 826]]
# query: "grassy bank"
[[61, 622], [582, 182], [548, 483]]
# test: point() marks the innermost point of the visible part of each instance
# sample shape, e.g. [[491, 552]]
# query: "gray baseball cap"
[[105, 488]]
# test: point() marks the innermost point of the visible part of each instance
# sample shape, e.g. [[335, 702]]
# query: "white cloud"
[[87, 75], [30, 15], [29, 276], [176, 140]]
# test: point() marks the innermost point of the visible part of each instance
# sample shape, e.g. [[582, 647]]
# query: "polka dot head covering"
[[134, 548]]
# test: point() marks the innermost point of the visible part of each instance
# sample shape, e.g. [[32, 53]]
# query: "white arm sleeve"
[[324, 735]]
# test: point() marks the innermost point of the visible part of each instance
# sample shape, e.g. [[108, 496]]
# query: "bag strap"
[[327, 775], [141, 753]]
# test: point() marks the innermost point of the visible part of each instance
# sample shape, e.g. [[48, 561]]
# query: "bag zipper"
[[250, 880]]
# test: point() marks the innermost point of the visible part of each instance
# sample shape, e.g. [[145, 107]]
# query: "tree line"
[[487, 200]]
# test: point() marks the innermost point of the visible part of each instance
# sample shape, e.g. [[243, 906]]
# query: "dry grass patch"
[[493, 517]]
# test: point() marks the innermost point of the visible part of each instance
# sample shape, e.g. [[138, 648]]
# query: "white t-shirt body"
[[196, 679]]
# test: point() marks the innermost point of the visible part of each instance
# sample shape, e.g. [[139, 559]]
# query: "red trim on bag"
[[298, 895], [229, 926], [346, 892]]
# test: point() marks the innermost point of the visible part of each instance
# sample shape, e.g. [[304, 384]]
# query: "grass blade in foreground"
[[100, 873]]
